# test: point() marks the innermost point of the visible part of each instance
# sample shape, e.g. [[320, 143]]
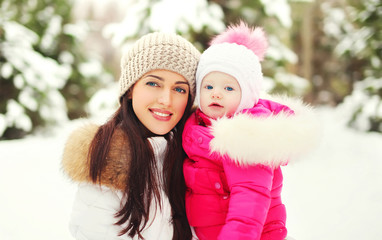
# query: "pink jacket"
[[233, 173]]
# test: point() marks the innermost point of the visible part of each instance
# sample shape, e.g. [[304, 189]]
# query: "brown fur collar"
[[75, 158]]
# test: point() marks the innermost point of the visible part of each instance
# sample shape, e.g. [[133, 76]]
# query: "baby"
[[236, 143]]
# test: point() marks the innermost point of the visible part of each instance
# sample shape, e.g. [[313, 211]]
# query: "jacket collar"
[[75, 157], [202, 119], [273, 138]]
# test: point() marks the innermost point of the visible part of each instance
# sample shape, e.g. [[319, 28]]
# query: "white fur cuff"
[[271, 141]]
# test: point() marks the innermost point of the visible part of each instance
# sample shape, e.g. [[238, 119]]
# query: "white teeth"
[[161, 114]]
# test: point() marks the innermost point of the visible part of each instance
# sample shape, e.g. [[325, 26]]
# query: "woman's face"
[[159, 99]]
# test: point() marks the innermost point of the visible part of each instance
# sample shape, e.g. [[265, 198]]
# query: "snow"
[[298, 84], [365, 101], [208, 14], [16, 115], [334, 193], [38, 75], [280, 9], [188, 15], [278, 51]]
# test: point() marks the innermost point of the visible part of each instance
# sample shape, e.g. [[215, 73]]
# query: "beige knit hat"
[[157, 50]]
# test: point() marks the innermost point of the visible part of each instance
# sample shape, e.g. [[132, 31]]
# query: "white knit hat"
[[156, 51], [237, 52]]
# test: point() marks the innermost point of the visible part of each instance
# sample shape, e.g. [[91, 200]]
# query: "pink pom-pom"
[[252, 38]]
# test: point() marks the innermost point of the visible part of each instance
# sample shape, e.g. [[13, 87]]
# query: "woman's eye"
[[152, 84], [229, 88], [180, 90]]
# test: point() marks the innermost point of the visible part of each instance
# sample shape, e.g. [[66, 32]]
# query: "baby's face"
[[220, 95]]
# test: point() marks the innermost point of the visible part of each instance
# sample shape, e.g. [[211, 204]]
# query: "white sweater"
[[95, 206]]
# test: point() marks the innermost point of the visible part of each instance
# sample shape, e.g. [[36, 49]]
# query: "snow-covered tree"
[[45, 77], [276, 19], [199, 20], [357, 29]]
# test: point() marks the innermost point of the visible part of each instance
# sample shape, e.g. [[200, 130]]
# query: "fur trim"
[[75, 157], [252, 38], [271, 141]]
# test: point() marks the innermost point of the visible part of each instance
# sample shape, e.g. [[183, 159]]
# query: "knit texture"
[[236, 52], [237, 61], [159, 51]]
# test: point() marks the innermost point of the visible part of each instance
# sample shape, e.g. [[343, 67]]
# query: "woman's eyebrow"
[[181, 82], [155, 76], [161, 79]]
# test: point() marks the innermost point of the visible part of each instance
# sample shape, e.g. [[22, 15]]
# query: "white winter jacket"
[[95, 206], [93, 212]]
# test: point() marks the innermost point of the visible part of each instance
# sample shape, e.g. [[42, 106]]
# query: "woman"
[[129, 170]]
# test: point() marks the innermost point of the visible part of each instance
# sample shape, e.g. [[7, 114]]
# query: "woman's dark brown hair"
[[142, 183]]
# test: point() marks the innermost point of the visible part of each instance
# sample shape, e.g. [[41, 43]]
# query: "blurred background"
[[59, 67], [59, 59]]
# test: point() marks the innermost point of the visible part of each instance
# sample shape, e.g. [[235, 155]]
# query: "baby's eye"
[[180, 90], [152, 84], [229, 88], [209, 87]]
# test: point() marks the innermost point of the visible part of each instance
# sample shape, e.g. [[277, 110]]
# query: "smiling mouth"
[[161, 114]]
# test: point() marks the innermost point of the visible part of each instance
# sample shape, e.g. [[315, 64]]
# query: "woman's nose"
[[165, 98]]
